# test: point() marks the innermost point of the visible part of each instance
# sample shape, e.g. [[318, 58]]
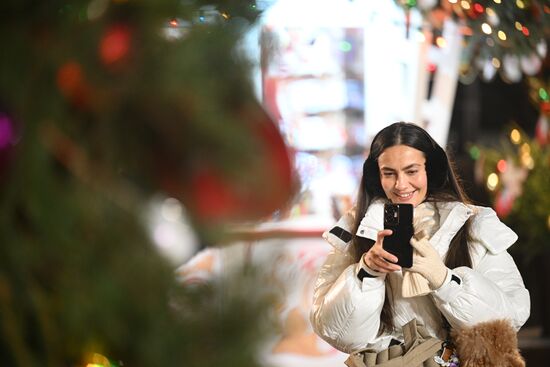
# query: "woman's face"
[[403, 174]]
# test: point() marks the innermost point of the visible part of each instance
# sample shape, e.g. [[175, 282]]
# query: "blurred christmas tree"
[[102, 104], [517, 176]]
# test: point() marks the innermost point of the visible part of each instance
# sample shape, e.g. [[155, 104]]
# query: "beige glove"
[[428, 263], [425, 223]]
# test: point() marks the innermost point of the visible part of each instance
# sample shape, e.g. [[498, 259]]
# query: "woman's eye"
[[387, 174]]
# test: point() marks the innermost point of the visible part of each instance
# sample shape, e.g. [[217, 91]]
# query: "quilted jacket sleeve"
[[494, 288], [346, 311]]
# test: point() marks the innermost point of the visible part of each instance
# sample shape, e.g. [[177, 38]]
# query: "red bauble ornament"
[[8, 139], [504, 203], [254, 189], [115, 44], [71, 82]]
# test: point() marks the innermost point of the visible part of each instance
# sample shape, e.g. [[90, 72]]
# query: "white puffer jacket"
[[346, 311]]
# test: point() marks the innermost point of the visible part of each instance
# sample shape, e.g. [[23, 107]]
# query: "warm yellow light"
[[518, 26], [548, 221], [497, 1], [440, 41], [495, 62], [502, 35], [515, 136], [490, 12], [465, 4], [486, 28], [453, 1], [520, 4], [527, 161], [525, 148], [492, 181]]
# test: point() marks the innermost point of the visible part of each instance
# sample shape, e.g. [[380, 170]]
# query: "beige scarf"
[[425, 223]]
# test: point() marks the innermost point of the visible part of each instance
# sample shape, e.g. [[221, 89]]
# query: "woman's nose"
[[400, 182]]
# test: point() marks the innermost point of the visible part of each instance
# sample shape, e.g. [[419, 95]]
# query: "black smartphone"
[[399, 218]]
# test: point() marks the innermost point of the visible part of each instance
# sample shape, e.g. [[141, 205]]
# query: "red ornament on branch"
[[115, 44]]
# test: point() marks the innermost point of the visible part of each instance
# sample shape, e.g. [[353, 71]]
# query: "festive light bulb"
[[520, 4], [475, 152], [525, 31], [502, 165], [478, 8], [345, 46], [486, 28], [518, 26], [502, 35], [453, 1], [543, 94], [465, 4], [441, 42], [497, 1], [525, 148], [495, 62], [7, 133], [515, 136], [527, 161], [492, 181]]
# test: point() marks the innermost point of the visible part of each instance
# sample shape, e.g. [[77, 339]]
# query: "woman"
[[463, 258]]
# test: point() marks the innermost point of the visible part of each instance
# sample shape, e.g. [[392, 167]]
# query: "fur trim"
[[488, 344]]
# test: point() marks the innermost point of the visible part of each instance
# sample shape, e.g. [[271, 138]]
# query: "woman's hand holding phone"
[[378, 259]]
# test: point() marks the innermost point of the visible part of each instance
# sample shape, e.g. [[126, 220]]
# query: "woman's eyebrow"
[[413, 165]]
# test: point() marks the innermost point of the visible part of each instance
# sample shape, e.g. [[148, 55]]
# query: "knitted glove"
[[426, 261], [425, 223]]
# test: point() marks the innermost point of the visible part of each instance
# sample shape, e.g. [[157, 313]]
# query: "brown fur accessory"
[[488, 344]]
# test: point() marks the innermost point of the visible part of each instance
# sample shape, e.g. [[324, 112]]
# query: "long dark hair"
[[443, 186]]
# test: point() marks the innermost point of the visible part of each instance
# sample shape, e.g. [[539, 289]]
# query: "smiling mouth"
[[405, 196]]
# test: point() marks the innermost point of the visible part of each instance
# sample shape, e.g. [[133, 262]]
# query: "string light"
[[441, 42], [465, 4], [478, 8], [497, 1], [453, 1], [515, 136], [525, 31], [490, 12], [486, 28], [502, 165], [475, 153], [492, 181], [543, 94], [495, 62], [520, 4], [502, 35]]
